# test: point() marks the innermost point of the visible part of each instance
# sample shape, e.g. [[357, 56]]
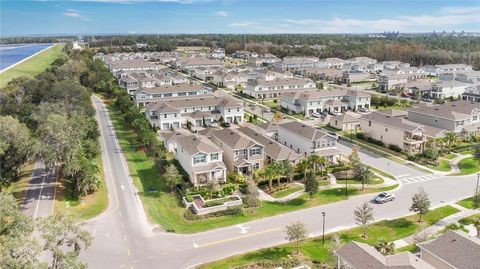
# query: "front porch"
[[216, 175]]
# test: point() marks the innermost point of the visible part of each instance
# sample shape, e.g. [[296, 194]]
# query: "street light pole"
[[346, 188], [476, 188], [323, 228], [388, 167]]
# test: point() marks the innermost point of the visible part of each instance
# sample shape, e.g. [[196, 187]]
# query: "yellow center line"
[[237, 238]]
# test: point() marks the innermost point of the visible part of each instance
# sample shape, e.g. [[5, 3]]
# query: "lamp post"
[[478, 181], [323, 228], [388, 167], [346, 188]]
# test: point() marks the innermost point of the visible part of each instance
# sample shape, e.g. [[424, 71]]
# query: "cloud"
[[75, 14], [460, 10], [222, 13]]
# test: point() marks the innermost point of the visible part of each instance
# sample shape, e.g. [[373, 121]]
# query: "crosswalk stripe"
[[416, 179], [400, 176]]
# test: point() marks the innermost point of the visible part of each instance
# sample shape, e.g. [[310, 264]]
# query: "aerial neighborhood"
[[246, 128]]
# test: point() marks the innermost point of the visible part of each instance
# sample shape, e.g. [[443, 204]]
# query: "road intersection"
[[124, 238]]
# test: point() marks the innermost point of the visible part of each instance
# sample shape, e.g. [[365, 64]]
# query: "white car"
[[316, 115], [213, 124], [384, 197], [267, 110]]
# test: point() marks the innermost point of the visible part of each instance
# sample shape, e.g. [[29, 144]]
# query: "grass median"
[[93, 204], [468, 166], [314, 251], [166, 209]]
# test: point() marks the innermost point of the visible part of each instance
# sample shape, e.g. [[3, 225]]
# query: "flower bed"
[[202, 207]]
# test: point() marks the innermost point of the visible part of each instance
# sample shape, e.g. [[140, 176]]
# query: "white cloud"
[[222, 13], [75, 14], [460, 10]]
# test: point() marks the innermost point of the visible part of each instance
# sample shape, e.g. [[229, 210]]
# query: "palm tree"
[[289, 170], [450, 138], [384, 247], [279, 168], [303, 166], [314, 160], [268, 173], [322, 163], [476, 223]]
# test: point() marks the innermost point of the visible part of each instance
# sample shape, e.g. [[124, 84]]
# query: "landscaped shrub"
[[394, 148], [375, 141], [360, 136]]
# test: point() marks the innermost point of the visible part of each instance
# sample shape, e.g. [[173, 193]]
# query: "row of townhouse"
[[268, 89], [450, 250], [472, 93], [132, 65], [436, 70], [121, 56], [191, 63], [338, 100], [264, 60], [148, 95], [303, 139], [133, 81], [199, 111], [470, 76], [208, 155], [398, 79], [411, 129]]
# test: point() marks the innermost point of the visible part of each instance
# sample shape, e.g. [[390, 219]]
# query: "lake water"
[[13, 53]]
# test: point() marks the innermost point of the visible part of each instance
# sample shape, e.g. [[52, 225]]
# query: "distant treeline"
[[37, 39], [416, 50]]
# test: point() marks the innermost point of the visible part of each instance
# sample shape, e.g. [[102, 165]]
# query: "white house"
[[447, 89], [147, 95], [201, 159], [277, 87]]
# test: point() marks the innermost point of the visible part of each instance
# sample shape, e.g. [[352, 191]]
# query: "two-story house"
[[447, 89], [198, 111], [274, 151], [148, 95], [394, 130], [459, 116], [306, 140], [240, 153], [201, 159], [277, 87], [311, 101]]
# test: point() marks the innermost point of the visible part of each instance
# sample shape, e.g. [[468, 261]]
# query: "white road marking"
[[243, 229], [405, 175], [194, 244], [122, 187]]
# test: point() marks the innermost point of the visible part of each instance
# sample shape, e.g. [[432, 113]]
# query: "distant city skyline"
[[235, 16]]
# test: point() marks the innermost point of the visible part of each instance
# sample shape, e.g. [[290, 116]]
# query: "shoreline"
[[27, 58]]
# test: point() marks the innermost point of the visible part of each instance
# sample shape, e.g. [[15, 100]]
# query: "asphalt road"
[[40, 195], [123, 238]]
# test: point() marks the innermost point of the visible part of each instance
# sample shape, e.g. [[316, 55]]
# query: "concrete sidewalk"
[[439, 226]]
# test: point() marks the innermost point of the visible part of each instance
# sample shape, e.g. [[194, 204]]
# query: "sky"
[[236, 16]]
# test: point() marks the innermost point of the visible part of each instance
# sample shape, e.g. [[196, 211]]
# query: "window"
[[175, 115], [256, 166], [255, 151], [214, 157], [369, 123], [165, 116], [182, 94], [167, 94], [201, 158]]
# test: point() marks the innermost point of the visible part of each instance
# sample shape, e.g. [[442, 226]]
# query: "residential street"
[[39, 197], [125, 239]]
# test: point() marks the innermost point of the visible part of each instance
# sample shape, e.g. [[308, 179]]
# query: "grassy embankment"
[[32, 66]]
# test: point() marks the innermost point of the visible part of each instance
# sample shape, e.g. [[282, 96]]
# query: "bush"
[[360, 136], [375, 141], [394, 148]]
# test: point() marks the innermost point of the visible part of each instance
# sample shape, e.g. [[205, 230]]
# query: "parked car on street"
[[363, 109], [267, 110], [384, 197]]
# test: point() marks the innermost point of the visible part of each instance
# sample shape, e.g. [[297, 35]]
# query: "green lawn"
[[468, 166], [95, 203], [450, 156], [467, 203], [469, 220], [166, 209], [466, 152], [443, 165], [375, 181], [32, 66], [313, 249], [286, 192]]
